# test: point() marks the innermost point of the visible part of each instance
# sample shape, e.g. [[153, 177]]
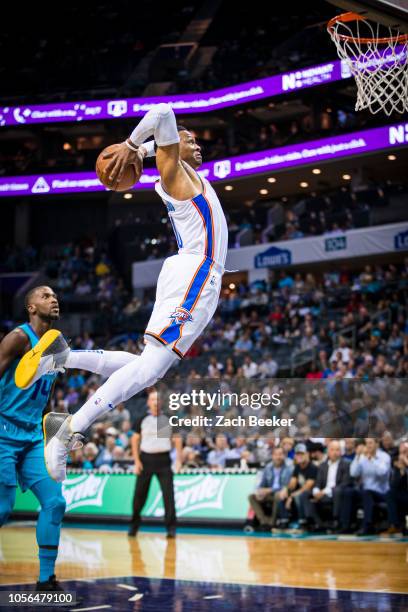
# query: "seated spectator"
[[244, 343], [215, 368], [126, 432], [268, 368], [349, 449], [239, 449], [118, 456], [217, 457], [388, 445], [272, 488], [332, 476], [344, 350], [249, 367], [288, 445], [87, 342], [105, 457], [314, 373], [194, 442], [230, 368], [262, 448], [90, 454], [397, 496], [299, 488], [72, 398], [83, 288], [371, 466], [76, 380], [309, 340], [119, 415], [316, 452]]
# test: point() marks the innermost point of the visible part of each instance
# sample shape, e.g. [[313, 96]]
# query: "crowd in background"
[[84, 266], [316, 485], [334, 326], [341, 324]]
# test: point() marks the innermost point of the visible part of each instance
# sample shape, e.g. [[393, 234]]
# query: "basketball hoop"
[[377, 57]]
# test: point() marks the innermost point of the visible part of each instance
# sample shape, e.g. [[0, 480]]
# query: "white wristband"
[[131, 146]]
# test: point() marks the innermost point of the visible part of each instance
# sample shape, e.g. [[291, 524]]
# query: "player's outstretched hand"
[[120, 160]]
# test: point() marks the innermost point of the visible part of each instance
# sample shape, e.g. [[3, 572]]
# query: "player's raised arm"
[[159, 122]]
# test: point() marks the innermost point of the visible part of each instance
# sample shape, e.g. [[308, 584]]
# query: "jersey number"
[[41, 386]]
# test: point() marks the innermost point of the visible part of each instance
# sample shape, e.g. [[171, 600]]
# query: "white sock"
[[99, 362], [143, 371]]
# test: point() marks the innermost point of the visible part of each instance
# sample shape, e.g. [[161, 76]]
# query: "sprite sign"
[[206, 495]]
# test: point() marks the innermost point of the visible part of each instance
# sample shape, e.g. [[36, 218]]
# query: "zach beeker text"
[[222, 421]]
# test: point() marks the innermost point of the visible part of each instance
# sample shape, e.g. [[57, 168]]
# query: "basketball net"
[[377, 57]]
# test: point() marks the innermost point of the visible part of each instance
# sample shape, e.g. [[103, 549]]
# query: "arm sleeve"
[[160, 122]]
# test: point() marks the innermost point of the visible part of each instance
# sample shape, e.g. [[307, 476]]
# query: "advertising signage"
[[270, 160], [182, 104]]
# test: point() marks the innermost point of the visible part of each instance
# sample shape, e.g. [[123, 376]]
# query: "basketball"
[[130, 176]]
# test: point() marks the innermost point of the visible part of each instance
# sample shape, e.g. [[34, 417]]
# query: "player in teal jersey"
[[21, 436]]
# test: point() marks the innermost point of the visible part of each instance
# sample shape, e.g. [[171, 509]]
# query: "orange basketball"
[[129, 178]]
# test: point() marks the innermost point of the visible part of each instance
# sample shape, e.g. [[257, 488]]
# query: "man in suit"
[[333, 476]]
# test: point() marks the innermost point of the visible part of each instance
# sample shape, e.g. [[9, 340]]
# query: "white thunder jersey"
[[199, 224], [190, 282]]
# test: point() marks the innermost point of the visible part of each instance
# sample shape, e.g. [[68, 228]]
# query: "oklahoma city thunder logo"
[[181, 315]]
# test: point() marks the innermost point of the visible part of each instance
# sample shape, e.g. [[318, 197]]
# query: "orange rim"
[[347, 17]]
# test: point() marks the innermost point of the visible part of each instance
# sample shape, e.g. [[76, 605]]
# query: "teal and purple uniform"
[[21, 436], [22, 458]]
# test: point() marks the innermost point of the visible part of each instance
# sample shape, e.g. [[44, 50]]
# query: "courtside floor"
[[213, 570]]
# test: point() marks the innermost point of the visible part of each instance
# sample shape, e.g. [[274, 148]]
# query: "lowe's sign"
[[273, 257], [256, 259]]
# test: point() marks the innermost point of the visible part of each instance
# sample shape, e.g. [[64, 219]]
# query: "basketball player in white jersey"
[[187, 293]]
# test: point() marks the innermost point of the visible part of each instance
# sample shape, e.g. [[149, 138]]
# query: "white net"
[[377, 57]]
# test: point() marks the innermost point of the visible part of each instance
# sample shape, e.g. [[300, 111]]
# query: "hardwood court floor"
[[372, 566]]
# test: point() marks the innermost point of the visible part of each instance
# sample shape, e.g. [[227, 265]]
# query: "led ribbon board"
[[271, 160], [182, 104]]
